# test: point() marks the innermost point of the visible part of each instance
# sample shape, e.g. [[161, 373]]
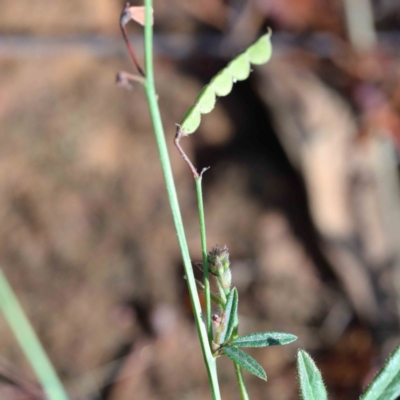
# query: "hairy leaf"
[[245, 361], [310, 380], [263, 339], [230, 319], [386, 385]]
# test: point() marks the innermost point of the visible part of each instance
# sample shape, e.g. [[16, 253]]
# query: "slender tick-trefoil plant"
[[219, 334]]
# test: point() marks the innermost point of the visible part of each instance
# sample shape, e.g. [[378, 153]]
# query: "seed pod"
[[221, 85]]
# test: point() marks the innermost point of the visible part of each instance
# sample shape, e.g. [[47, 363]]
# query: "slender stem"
[[204, 254], [29, 342], [239, 372], [209, 359], [129, 47], [240, 380], [178, 136]]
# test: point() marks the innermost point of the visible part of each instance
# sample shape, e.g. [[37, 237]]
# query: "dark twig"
[[122, 23], [124, 79]]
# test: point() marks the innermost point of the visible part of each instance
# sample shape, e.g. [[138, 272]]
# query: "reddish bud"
[[134, 13]]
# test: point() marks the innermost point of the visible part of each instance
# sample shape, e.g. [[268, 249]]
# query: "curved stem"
[[29, 342], [178, 136], [209, 359], [128, 45]]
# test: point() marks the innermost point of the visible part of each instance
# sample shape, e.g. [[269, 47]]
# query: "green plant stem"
[[204, 255], [240, 380], [29, 342], [239, 371], [209, 359], [215, 298]]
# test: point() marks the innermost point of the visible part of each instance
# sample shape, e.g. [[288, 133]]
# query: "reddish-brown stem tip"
[[179, 134], [124, 79], [204, 170], [128, 45]]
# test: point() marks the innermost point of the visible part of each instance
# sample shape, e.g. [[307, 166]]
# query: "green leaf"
[[310, 379], [206, 99], [263, 339], [260, 52], [222, 83], [245, 361], [239, 68], [386, 385], [230, 319], [191, 120]]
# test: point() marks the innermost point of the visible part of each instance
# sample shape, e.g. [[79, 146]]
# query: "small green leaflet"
[[245, 361], [230, 319], [206, 100], [192, 118], [263, 339], [386, 385], [310, 379], [221, 85], [239, 67], [260, 52]]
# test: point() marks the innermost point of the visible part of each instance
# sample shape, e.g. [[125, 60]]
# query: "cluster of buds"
[[218, 263]]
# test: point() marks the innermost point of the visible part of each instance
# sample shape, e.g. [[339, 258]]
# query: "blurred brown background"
[[303, 189]]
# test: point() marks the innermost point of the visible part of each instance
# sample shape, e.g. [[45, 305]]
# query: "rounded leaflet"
[[260, 52], [239, 67], [206, 99], [222, 83], [191, 120]]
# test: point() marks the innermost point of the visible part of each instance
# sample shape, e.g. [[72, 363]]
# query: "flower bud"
[[218, 260], [216, 320]]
